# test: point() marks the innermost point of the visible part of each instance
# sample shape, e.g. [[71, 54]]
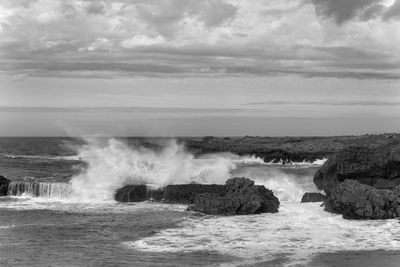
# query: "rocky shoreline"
[[285, 149], [360, 179], [362, 182]]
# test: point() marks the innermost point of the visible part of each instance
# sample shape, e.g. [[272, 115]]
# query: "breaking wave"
[[113, 164]]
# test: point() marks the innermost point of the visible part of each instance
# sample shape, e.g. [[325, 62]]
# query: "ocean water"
[[67, 217]]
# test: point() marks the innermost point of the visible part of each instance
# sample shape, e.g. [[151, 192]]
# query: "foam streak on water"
[[299, 229]]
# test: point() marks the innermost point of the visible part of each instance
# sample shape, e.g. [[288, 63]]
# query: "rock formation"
[[4, 182], [374, 166], [313, 197], [186, 193], [131, 193], [359, 201], [180, 193], [237, 196], [241, 197], [285, 149]]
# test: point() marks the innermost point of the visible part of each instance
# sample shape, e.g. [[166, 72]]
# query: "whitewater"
[[77, 222]]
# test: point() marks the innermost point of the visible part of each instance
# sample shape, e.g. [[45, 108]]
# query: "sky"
[[194, 68]]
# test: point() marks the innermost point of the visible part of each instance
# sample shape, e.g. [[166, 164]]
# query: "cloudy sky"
[[191, 67]]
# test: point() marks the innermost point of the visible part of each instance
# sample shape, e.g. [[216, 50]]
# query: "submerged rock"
[[359, 201], [313, 197], [375, 166], [131, 193], [4, 182], [241, 197]]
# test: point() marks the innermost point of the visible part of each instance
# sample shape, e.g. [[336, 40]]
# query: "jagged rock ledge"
[[361, 182], [240, 198], [378, 167], [359, 201], [237, 197]]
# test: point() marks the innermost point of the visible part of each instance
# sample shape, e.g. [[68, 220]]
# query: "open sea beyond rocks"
[[76, 222]]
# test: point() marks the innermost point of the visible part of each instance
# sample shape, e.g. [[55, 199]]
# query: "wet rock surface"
[[181, 193], [4, 182], [359, 201], [313, 197], [241, 197], [131, 193], [375, 166], [186, 193]]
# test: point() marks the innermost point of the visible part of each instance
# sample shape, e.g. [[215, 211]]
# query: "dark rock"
[[241, 197], [359, 201], [368, 165], [185, 193], [313, 197], [181, 193], [131, 193], [4, 182], [156, 194]]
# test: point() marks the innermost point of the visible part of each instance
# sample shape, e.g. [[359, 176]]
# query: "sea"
[[60, 210]]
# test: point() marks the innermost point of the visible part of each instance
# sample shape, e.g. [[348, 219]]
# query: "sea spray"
[[113, 164], [287, 182]]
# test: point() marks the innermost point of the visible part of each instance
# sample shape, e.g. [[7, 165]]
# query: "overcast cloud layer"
[[328, 38]]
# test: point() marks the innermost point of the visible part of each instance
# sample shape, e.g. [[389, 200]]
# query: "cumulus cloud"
[[345, 10], [166, 17]]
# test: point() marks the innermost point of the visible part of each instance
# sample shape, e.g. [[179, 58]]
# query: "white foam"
[[317, 162], [6, 226], [72, 157], [248, 160], [286, 182], [284, 186], [254, 160], [76, 205], [299, 229], [52, 190]]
